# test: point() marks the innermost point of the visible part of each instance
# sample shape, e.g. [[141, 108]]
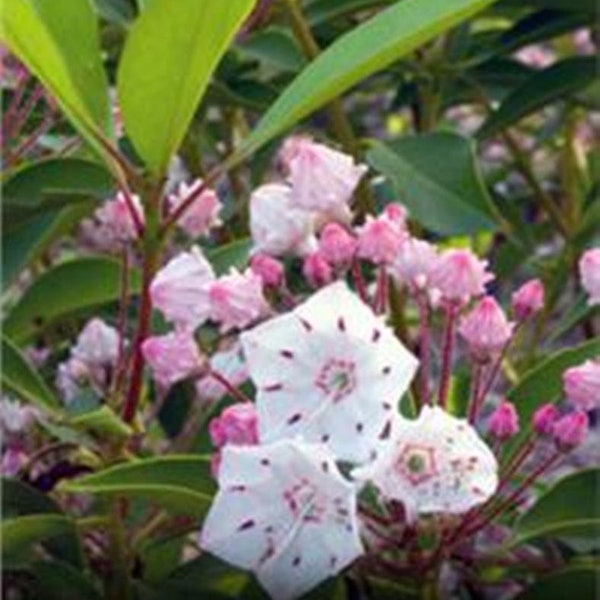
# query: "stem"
[[123, 310], [340, 125], [359, 281], [424, 346], [474, 402], [237, 394], [449, 335], [118, 587]]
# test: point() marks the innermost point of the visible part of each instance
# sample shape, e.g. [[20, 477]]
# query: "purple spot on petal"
[[287, 354], [274, 387], [359, 427], [385, 432], [306, 324], [265, 462], [386, 370], [294, 418], [296, 561], [247, 525], [387, 406], [376, 335], [341, 324]]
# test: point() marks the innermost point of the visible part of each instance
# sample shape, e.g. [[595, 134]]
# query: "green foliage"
[[59, 43], [371, 46], [69, 288], [555, 83], [20, 377], [569, 508], [168, 59], [437, 177], [181, 483], [576, 582]]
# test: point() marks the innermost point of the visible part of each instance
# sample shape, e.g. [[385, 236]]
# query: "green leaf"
[[20, 377], [57, 580], [35, 187], [75, 285], [180, 482], [235, 254], [320, 11], [170, 54], [568, 508], [437, 177], [576, 582], [22, 533], [21, 499], [59, 42], [275, 47], [550, 85], [543, 383], [102, 420], [585, 6], [368, 48], [24, 244]]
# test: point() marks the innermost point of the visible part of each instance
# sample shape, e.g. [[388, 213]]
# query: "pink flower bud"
[[336, 245], [116, 217], [528, 299], [544, 419], [237, 300], [269, 269], [97, 344], [396, 213], [172, 357], [582, 385], [317, 270], [414, 264], [460, 275], [322, 179], [571, 430], [486, 329], [180, 289], [504, 422], [380, 240], [237, 425], [202, 214], [589, 271]]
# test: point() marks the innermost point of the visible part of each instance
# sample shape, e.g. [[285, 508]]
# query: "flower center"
[[337, 378], [417, 463]]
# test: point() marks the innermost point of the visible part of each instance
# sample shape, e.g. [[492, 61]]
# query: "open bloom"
[[437, 463], [278, 227], [237, 300], [582, 385], [323, 179], [330, 371], [460, 275], [589, 270], [284, 512], [202, 214], [97, 344], [172, 357], [180, 290], [486, 329]]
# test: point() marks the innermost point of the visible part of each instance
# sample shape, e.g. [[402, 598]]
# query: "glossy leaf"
[[169, 56], [235, 254], [576, 582], [21, 499], [544, 382], [554, 83], [568, 508], [102, 420], [321, 11], [59, 42], [70, 287], [22, 533], [275, 47], [20, 377], [180, 482], [36, 187], [366, 49], [57, 580], [437, 178]]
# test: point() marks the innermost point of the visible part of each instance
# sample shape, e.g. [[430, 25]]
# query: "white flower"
[[330, 371], [15, 417], [277, 226], [437, 463], [97, 344], [180, 290], [285, 512]]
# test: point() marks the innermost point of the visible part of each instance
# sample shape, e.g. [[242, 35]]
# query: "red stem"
[[474, 402], [424, 347], [15, 102], [359, 281], [237, 394], [123, 310], [449, 334]]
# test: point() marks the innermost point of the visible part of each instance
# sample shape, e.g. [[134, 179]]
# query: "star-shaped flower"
[[285, 512], [437, 463], [330, 371]]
